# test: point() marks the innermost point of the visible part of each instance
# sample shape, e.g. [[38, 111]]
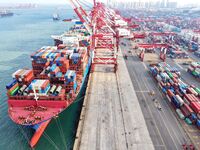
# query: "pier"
[[111, 116]]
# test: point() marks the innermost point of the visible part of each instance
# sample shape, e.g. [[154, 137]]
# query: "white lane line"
[[144, 65], [150, 113], [179, 66], [161, 116], [173, 115], [142, 91]]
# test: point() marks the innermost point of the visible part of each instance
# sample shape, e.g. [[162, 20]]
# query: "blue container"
[[175, 101], [172, 89], [59, 74], [70, 76], [194, 47], [198, 123], [164, 90], [48, 56], [183, 91], [75, 86], [151, 69], [53, 67], [78, 22], [11, 84], [193, 117], [75, 58]]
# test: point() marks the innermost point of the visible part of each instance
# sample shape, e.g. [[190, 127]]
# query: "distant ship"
[[6, 13], [56, 16]]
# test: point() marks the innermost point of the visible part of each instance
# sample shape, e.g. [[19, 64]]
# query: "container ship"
[[56, 17], [6, 13], [63, 38], [57, 76]]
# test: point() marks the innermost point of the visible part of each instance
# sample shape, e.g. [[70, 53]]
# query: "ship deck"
[[111, 117]]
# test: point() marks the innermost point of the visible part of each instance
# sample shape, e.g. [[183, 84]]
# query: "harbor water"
[[21, 35]]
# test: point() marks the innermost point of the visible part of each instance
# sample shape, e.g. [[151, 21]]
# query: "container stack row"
[[182, 96], [70, 80], [56, 72], [21, 79], [194, 69]]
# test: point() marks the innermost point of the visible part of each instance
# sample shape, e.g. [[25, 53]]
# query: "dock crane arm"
[[82, 14]]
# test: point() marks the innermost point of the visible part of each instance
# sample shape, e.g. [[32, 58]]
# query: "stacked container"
[[62, 63], [183, 97], [41, 87], [70, 80], [194, 69], [43, 57], [12, 88], [23, 76], [197, 53]]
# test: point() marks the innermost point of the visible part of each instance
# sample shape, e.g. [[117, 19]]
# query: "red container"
[[47, 64], [28, 79], [195, 106], [175, 80], [170, 93], [61, 46], [189, 91], [168, 84], [44, 85], [190, 98], [18, 75], [186, 110], [162, 84], [195, 98], [175, 75]]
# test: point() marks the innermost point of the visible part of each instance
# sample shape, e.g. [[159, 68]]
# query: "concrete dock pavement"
[[166, 130], [113, 119]]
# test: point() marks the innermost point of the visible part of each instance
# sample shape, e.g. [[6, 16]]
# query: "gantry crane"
[[105, 33]]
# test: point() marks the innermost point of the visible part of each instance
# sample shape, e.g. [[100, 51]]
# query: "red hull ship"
[[37, 95]]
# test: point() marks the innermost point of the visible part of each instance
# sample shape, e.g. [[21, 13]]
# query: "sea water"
[[20, 35]]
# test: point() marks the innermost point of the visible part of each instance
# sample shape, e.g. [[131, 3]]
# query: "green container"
[[170, 74], [194, 73], [197, 90], [12, 93], [188, 121]]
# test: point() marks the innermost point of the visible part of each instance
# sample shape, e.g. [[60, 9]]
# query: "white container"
[[180, 100], [158, 77], [123, 32], [193, 91]]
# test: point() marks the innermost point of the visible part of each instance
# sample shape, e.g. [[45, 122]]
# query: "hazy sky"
[[181, 2]]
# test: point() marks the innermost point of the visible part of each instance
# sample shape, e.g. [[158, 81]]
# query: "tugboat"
[[6, 13], [56, 17]]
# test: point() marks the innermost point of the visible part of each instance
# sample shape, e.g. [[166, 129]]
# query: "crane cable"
[[50, 140], [61, 131]]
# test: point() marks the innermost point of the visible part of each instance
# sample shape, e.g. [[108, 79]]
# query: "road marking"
[[159, 145], [142, 91], [193, 130], [161, 116], [195, 137], [179, 65], [150, 113], [176, 120], [144, 65]]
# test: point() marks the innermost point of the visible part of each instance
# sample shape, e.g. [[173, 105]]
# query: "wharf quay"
[[111, 116]]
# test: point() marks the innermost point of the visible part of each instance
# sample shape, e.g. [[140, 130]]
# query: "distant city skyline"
[[180, 2]]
